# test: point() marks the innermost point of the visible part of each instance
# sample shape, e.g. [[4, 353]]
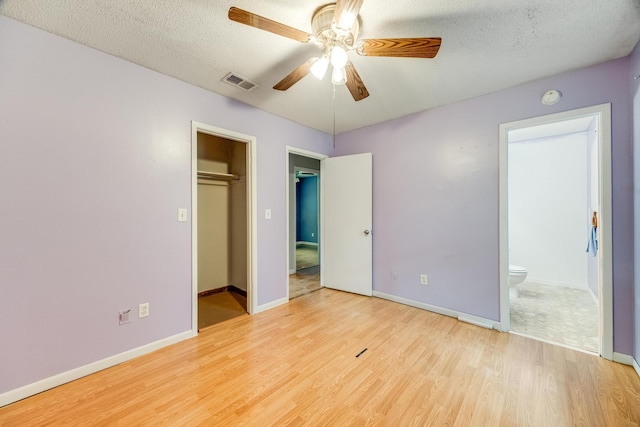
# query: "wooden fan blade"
[[296, 75], [408, 48], [266, 24], [355, 84], [346, 13]]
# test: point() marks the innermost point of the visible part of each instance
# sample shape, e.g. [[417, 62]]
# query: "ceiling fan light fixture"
[[338, 57], [335, 30], [319, 68], [346, 21], [339, 76]]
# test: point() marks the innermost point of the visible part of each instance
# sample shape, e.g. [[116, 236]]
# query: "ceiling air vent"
[[241, 82]]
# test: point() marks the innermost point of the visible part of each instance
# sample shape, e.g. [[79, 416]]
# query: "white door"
[[347, 236]]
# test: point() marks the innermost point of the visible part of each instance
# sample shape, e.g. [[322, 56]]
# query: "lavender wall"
[[436, 192], [635, 94], [94, 163]]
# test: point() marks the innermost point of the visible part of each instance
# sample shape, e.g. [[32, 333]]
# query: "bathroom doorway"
[[555, 229]]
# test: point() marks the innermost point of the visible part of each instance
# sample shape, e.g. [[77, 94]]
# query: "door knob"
[[367, 232]]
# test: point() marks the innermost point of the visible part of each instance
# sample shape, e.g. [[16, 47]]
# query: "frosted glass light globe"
[[338, 57], [339, 76], [319, 68]]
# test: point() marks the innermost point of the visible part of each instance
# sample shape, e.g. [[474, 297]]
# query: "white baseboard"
[[479, 321], [303, 243], [625, 359], [272, 304], [91, 368]]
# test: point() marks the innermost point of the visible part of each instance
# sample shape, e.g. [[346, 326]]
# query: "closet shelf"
[[218, 176]]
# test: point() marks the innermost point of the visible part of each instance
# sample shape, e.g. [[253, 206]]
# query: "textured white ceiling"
[[487, 45]]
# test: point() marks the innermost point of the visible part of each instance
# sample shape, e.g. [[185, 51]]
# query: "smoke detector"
[[551, 97]]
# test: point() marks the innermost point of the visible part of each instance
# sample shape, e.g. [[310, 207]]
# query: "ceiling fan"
[[335, 32]]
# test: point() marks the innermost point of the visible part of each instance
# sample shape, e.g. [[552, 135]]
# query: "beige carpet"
[[563, 315], [306, 256]]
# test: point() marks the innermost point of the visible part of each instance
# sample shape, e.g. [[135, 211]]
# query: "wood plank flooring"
[[296, 365], [219, 307], [304, 281]]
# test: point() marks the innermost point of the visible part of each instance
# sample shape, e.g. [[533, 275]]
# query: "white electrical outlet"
[[423, 279], [143, 310]]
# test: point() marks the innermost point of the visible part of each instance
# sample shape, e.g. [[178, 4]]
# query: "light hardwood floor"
[[296, 365], [304, 281], [220, 307]]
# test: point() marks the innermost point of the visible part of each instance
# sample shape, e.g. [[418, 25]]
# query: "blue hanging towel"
[[592, 243]]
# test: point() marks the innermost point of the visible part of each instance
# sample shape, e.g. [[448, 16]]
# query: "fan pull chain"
[[334, 116]]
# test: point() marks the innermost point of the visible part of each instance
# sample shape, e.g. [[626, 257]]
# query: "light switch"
[[267, 214], [182, 215]]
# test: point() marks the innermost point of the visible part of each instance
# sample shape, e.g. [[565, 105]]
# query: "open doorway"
[[222, 222], [304, 242], [307, 216], [555, 229]]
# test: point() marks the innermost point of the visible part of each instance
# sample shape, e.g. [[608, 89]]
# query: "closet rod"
[[218, 176]]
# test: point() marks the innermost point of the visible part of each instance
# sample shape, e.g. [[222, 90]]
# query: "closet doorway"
[[222, 224]]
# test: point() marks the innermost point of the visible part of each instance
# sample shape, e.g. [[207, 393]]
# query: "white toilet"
[[517, 275]]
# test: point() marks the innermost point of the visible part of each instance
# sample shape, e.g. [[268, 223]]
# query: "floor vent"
[[241, 82]]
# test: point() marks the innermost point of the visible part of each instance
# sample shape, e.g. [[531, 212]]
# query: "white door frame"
[[605, 252], [313, 155], [252, 217]]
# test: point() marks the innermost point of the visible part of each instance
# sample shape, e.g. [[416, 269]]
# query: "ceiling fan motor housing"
[[327, 35]]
